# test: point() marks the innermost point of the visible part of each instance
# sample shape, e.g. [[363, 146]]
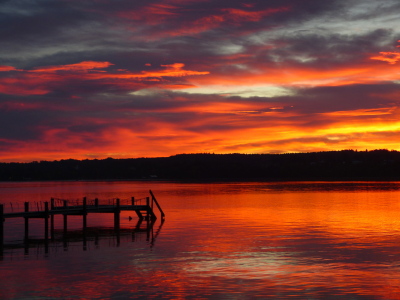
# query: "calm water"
[[305, 240]]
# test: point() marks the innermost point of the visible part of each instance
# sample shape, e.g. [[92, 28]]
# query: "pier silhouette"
[[143, 207]]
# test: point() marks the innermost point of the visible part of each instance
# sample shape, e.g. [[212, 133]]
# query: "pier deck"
[[63, 207], [80, 210]]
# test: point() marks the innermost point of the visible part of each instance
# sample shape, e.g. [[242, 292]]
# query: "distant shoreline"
[[346, 165]]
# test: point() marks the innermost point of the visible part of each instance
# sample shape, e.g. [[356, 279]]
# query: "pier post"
[[65, 217], [52, 219], [148, 205], [26, 209], [133, 201], [96, 202], [46, 226], [117, 212], [46, 220], [84, 217], [1, 227], [117, 215], [84, 209]]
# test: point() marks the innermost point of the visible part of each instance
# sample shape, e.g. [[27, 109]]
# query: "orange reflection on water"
[[243, 240]]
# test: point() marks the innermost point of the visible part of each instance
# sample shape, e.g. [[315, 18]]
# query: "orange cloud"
[[390, 57], [298, 76]]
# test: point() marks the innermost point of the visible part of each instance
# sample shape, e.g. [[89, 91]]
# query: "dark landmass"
[[332, 165]]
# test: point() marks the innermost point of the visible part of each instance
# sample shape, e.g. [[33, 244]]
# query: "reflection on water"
[[89, 238], [305, 240]]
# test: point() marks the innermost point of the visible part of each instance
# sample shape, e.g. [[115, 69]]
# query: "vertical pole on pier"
[[1, 228], [133, 201], [46, 220], [84, 216], [26, 209], [65, 221], [84, 208], [65, 217], [117, 212], [52, 219], [46, 226], [96, 202], [148, 206]]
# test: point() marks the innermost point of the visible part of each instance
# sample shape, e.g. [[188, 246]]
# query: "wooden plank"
[[74, 210]]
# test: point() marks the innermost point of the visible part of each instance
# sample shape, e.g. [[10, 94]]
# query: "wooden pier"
[[144, 209]]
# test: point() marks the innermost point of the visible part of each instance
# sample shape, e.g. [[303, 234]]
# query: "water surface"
[[305, 240]]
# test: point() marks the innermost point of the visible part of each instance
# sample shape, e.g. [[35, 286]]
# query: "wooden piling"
[[52, 219], [46, 227], [65, 218], [84, 210], [46, 221], [26, 209], [117, 212], [148, 205]]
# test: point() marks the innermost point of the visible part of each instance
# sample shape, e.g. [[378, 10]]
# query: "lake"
[[246, 240]]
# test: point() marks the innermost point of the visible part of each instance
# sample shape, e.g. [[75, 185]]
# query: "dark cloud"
[[325, 49], [343, 98]]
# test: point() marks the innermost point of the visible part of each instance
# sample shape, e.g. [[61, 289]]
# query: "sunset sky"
[[124, 79]]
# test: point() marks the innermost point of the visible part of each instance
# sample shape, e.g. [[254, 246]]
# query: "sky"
[[125, 79]]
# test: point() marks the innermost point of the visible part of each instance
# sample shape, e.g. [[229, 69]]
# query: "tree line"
[[379, 164]]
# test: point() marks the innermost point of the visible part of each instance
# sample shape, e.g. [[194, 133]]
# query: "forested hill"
[[333, 165]]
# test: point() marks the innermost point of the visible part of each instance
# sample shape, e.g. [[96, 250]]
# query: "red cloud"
[[7, 69], [82, 66], [239, 15], [157, 14]]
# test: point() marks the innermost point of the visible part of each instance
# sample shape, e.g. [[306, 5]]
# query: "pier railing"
[[158, 205], [14, 207]]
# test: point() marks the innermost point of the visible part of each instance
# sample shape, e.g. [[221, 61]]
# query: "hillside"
[[334, 165]]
